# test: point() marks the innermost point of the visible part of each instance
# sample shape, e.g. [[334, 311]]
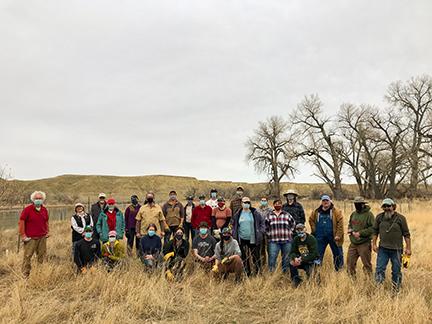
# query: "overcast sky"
[[176, 87]]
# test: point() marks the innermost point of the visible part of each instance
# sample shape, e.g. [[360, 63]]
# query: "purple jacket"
[[130, 214]]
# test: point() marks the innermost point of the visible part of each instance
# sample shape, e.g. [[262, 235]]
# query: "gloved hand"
[[215, 268], [226, 260], [169, 275], [84, 270], [406, 260], [168, 256]]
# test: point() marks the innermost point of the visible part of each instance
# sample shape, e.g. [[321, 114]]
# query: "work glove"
[[168, 256]]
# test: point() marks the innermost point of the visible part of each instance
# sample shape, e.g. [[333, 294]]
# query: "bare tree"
[[414, 99], [272, 151], [321, 145]]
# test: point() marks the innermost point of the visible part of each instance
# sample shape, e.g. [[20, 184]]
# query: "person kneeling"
[[304, 254], [87, 251], [228, 256], [175, 253], [203, 247], [113, 251], [151, 247]]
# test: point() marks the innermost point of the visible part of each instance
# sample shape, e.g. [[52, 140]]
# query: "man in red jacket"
[[201, 213], [33, 228]]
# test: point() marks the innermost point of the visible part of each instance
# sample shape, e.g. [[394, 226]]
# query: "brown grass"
[[53, 293]]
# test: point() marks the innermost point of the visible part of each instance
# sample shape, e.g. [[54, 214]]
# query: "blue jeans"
[[383, 258], [273, 252], [337, 251]]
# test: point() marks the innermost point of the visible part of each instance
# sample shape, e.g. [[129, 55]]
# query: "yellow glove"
[[168, 256], [169, 275], [215, 268], [406, 260], [226, 260]]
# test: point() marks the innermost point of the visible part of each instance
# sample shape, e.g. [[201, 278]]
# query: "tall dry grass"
[[54, 293]]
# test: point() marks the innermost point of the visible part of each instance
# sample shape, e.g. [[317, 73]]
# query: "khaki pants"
[[235, 266], [30, 247], [364, 252]]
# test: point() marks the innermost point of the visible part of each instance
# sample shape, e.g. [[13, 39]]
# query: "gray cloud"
[[164, 87]]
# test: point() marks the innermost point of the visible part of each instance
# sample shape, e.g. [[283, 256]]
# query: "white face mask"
[[112, 239]]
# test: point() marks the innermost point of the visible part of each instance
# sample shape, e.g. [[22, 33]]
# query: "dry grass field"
[[55, 294]]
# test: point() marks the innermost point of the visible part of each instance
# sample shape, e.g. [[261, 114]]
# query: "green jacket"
[[102, 226], [307, 249], [361, 222], [116, 253]]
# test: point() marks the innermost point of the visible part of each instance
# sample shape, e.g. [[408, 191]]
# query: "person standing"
[[79, 221], [293, 207], [110, 219], [95, 211], [187, 225], [212, 202], [360, 230], [280, 227], [236, 201], [150, 213], [201, 213], [392, 228], [327, 227], [248, 229], [33, 227], [264, 209], [173, 211], [130, 224], [221, 217]]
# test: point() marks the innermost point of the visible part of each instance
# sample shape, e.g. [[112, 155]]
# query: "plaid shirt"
[[279, 228]]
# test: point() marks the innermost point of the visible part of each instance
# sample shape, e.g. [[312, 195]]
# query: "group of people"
[[238, 239]]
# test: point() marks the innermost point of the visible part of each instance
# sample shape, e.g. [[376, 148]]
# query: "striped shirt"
[[279, 228]]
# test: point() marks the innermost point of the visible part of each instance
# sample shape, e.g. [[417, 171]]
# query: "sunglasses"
[[386, 206]]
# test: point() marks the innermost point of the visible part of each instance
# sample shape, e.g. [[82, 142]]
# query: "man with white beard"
[[392, 228]]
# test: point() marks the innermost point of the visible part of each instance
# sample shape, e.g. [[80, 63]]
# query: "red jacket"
[[199, 215]]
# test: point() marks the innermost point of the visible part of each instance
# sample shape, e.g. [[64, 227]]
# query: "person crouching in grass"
[[228, 256], [87, 251], [203, 247], [113, 251], [175, 253], [151, 247]]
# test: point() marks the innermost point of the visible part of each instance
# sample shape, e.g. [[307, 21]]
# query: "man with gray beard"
[[392, 228]]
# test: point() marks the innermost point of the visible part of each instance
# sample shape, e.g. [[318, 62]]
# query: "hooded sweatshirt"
[[362, 222]]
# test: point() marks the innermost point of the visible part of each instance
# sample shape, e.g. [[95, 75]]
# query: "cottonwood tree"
[[272, 151], [321, 145], [414, 100]]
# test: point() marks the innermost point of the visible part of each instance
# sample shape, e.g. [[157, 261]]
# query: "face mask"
[[240, 193], [264, 203], [134, 201], [277, 208], [221, 204], [290, 197], [173, 197], [301, 234], [112, 239], [213, 194], [111, 207], [358, 206], [202, 202], [150, 200], [179, 236], [226, 238], [151, 233], [38, 202], [203, 231], [88, 235], [246, 205]]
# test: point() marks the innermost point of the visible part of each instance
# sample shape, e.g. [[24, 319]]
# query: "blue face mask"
[[301, 234], [246, 205], [264, 203], [203, 231], [88, 235], [111, 207], [202, 202], [151, 233], [213, 194], [38, 202]]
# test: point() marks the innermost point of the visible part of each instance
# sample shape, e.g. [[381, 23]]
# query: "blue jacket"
[[258, 221], [102, 225]]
